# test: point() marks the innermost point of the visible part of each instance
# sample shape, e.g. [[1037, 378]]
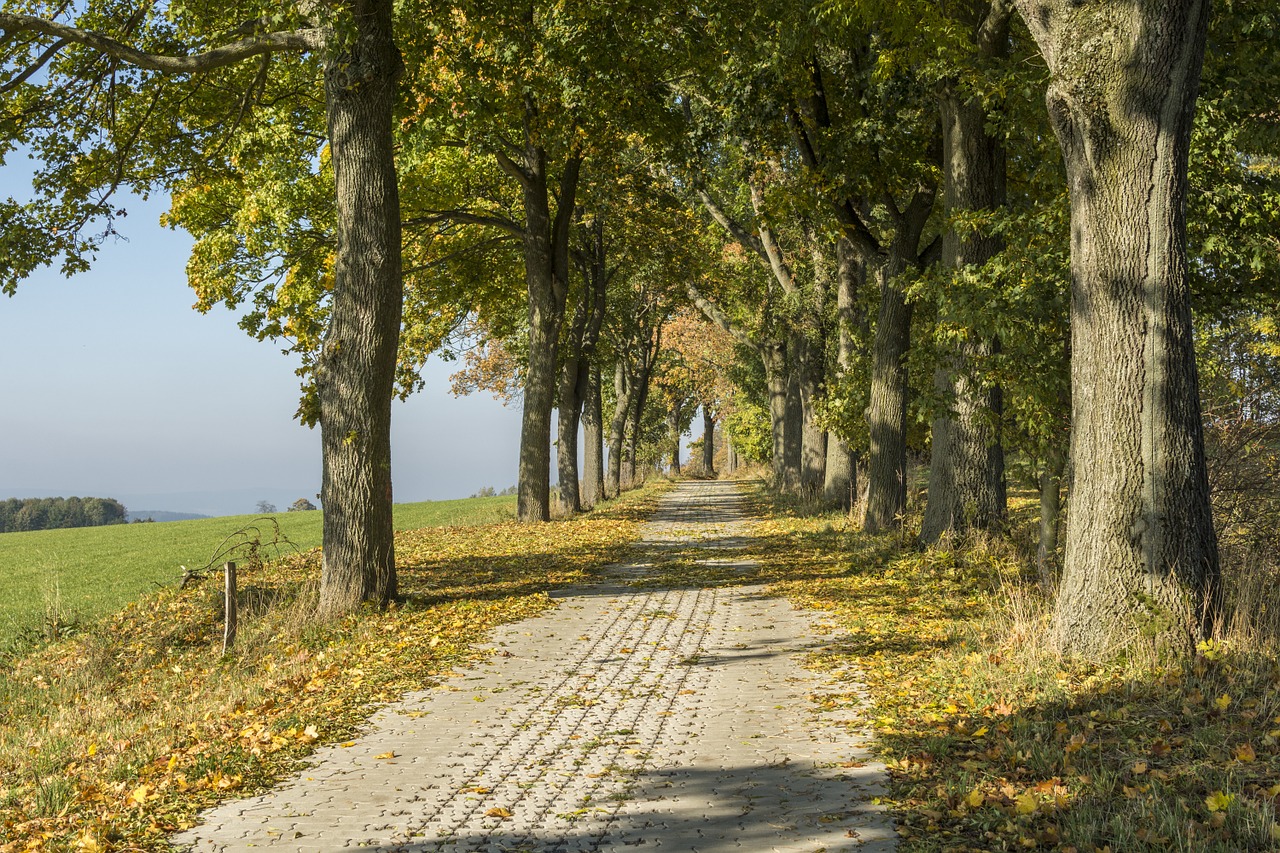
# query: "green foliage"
[[22, 514]]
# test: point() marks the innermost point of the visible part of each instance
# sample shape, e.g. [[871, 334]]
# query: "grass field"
[[49, 576]]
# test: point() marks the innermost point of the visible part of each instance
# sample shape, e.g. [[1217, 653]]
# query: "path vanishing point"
[[625, 718]]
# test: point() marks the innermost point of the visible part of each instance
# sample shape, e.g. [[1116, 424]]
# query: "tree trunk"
[[637, 415], [546, 260], [730, 458], [593, 438], [887, 409], [1050, 509], [813, 439], [624, 390], [966, 472], [775, 372], [1141, 554], [840, 481], [708, 441], [356, 374], [793, 424], [673, 436], [569, 411]]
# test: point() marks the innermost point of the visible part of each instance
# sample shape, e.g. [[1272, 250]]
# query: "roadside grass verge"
[[995, 742], [53, 580], [118, 736]]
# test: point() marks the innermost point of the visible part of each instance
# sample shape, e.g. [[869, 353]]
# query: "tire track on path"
[[624, 719]]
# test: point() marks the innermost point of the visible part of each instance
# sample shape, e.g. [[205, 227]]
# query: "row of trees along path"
[[625, 718], [559, 182]]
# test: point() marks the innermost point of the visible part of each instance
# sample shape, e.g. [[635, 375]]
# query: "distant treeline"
[[49, 513]]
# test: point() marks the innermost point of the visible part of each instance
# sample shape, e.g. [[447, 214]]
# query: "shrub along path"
[[638, 714]]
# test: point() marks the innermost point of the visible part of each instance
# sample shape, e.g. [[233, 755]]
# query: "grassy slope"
[[116, 736], [95, 570]]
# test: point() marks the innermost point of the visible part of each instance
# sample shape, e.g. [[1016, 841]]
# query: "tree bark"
[[624, 390], [1141, 555], [569, 412], [776, 375], [708, 441], [887, 408], [1050, 510], [673, 436], [966, 473], [546, 259], [356, 372], [593, 440], [840, 477], [637, 414]]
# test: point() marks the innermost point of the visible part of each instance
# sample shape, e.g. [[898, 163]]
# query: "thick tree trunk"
[[1141, 555], [356, 373], [708, 441], [546, 260], [840, 482], [966, 473], [887, 409], [593, 440]]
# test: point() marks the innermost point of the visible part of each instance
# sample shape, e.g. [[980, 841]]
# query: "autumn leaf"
[[498, 812], [385, 755], [1219, 801], [1244, 753]]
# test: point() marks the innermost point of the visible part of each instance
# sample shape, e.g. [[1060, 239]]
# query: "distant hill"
[[161, 515]]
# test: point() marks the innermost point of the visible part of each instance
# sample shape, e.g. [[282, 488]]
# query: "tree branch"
[[219, 57], [466, 217], [772, 252], [735, 230], [713, 313]]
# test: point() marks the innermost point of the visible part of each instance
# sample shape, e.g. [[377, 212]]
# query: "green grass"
[[64, 576]]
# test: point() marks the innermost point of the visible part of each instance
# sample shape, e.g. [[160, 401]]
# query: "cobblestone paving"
[[624, 719]]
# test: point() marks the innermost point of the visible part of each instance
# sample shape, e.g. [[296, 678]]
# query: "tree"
[[148, 87], [300, 505], [1141, 554], [966, 472], [265, 507]]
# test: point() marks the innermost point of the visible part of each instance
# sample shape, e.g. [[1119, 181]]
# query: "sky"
[[111, 385]]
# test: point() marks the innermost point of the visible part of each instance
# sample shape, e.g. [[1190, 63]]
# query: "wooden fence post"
[[229, 635]]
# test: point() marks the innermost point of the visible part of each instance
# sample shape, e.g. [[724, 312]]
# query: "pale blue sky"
[[112, 386]]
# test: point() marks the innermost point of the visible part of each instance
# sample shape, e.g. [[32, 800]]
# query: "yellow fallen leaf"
[[139, 794], [1222, 702], [498, 812], [975, 799], [1219, 801], [92, 750], [981, 732], [1245, 753], [383, 755], [1027, 803]]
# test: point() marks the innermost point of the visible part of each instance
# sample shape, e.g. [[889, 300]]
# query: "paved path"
[[624, 719]]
